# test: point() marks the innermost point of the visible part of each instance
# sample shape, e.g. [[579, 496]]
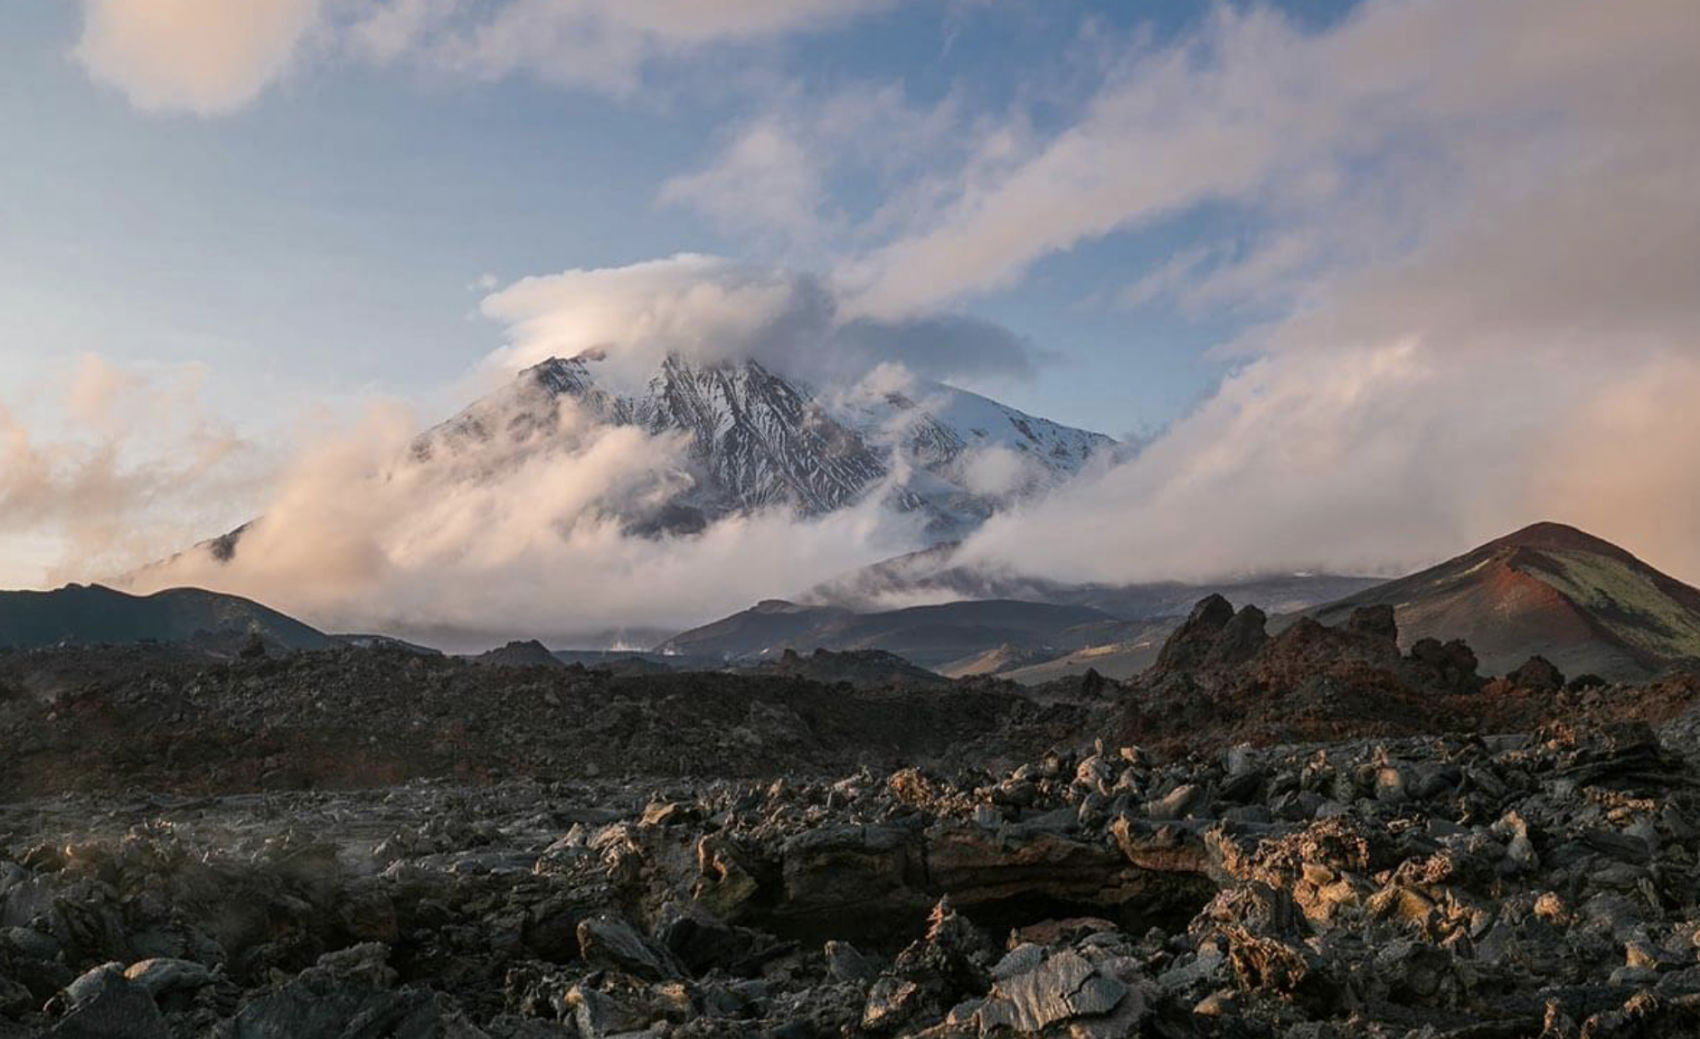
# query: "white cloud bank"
[[1488, 246], [714, 309], [512, 539]]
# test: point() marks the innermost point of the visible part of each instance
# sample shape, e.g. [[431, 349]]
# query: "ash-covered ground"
[[1313, 835]]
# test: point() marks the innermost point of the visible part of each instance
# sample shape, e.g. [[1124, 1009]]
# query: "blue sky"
[[317, 243], [1373, 282]]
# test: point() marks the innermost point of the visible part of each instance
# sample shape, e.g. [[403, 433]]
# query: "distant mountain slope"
[[1115, 629], [1000, 660], [765, 629], [386, 642], [862, 668], [92, 614], [930, 636], [527, 653], [1119, 660], [934, 574], [1549, 589]]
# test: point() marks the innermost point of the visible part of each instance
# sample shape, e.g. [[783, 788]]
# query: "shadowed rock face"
[[1537, 673], [869, 884], [1375, 622], [1239, 639], [1191, 643], [529, 653]]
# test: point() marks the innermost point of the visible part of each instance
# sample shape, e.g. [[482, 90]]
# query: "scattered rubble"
[[1465, 885], [1017, 871]]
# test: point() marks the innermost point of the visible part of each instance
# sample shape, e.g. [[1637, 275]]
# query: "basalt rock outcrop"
[[1222, 678]]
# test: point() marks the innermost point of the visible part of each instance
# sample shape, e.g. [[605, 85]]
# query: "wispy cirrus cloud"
[[767, 184], [813, 179], [1337, 145], [591, 44], [214, 58]]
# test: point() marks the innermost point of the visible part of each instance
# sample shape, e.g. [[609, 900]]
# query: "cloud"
[[607, 46], [700, 306], [213, 58], [998, 472], [1626, 462], [384, 32], [527, 533], [715, 309], [766, 183], [122, 467], [512, 538], [784, 177], [1378, 460], [1488, 263], [1328, 130], [941, 346], [1165, 279], [1300, 462], [191, 56]]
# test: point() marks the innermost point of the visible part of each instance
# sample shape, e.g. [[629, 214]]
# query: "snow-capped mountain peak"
[[758, 439]]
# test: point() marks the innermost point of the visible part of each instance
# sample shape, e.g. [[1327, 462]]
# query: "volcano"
[[1549, 589]]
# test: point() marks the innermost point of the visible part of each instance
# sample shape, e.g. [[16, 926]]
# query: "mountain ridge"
[[932, 573], [1548, 589], [95, 614], [930, 636], [759, 439]]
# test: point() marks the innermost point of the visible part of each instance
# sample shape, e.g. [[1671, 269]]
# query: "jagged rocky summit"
[[759, 439]]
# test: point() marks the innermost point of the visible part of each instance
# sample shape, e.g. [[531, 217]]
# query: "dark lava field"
[[1311, 834]]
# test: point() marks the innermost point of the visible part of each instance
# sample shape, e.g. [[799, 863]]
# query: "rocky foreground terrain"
[[1307, 834]]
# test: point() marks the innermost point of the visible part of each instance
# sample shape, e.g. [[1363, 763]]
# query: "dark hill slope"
[[930, 636], [95, 615], [1581, 602], [935, 574]]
